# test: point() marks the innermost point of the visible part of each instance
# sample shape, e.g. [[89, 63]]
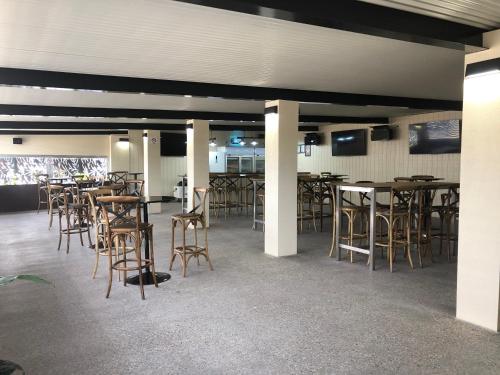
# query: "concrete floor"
[[252, 315]]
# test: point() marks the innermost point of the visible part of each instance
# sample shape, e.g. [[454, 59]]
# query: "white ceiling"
[[172, 40], [479, 13]]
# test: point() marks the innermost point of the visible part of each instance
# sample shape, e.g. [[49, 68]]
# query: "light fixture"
[[242, 142], [188, 96], [254, 143], [212, 142], [123, 140], [482, 68]]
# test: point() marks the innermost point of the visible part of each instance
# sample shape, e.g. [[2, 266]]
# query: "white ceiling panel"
[[172, 40], [83, 98], [484, 14]]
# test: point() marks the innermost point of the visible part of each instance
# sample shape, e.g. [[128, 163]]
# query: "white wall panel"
[[385, 159], [171, 168]]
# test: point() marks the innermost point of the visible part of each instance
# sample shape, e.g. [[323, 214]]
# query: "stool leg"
[[183, 257], [60, 231], [408, 241], [124, 252], [78, 214], [195, 223], [97, 251], [50, 212], [139, 261], [206, 246], [172, 254], [68, 236], [110, 264]]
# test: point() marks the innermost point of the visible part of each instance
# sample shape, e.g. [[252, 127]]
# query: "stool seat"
[[186, 216]]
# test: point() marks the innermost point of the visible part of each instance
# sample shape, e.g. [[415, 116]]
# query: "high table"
[[371, 190], [147, 277]]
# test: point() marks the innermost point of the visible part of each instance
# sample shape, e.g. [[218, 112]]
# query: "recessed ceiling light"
[[188, 96]]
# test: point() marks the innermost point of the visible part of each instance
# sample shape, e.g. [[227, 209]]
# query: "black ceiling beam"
[[61, 132], [79, 81], [41, 110], [37, 110], [359, 17], [115, 127]]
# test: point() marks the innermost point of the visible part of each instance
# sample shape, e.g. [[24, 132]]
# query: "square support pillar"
[[197, 132], [136, 151], [478, 269], [152, 167], [281, 178]]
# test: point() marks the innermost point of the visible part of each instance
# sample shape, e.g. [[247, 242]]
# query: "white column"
[[281, 178], [478, 278], [136, 151], [152, 167], [197, 132]]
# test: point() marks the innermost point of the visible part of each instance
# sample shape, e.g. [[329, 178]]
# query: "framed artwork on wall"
[[307, 150]]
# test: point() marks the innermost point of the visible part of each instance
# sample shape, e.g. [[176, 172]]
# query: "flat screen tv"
[[436, 137], [173, 144], [349, 142]]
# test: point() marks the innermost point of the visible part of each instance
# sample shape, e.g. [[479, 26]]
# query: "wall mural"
[[21, 170]]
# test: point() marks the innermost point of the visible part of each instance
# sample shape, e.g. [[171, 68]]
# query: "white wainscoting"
[[171, 168], [385, 159]]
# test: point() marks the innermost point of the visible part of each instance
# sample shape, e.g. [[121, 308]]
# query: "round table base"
[[147, 278]]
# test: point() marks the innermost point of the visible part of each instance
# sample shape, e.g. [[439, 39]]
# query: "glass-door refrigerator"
[[232, 164]]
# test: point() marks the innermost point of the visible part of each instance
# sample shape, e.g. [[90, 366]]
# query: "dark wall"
[[19, 198]]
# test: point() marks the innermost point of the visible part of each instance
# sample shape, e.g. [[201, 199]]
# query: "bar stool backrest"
[[118, 211], [363, 197], [118, 177], [199, 201], [95, 209], [135, 187]]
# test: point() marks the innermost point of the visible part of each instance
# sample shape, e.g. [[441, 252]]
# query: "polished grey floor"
[[253, 315]]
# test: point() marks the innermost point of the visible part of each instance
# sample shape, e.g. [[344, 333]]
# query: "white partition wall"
[[281, 178], [478, 280], [197, 158], [152, 167]]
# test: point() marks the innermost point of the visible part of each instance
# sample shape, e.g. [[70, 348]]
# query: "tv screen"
[[436, 137], [349, 142], [173, 144]]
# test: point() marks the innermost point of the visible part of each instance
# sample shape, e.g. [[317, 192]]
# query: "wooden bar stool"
[[76, 219], [403, 221], [351, 211], [185, 251], [43, 190], [53, 197], [97, 219], [122, 222]]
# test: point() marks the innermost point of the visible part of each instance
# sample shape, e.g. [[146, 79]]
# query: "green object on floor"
[[4, 280], [8, 367]]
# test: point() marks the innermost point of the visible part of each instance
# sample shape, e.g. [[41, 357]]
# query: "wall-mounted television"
[[349, 142], [173, 144], [436, 137]]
